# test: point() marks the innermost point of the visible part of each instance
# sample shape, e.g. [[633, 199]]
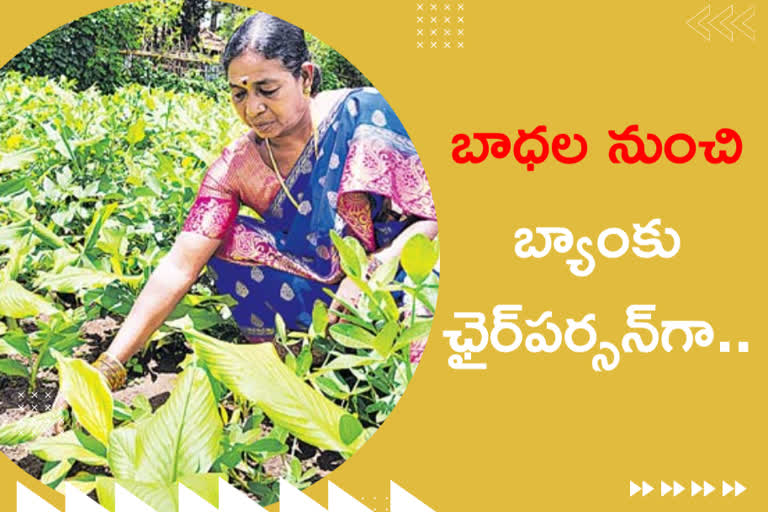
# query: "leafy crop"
[[93, 190]]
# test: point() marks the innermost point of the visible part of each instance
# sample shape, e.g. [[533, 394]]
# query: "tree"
[[192, 14]]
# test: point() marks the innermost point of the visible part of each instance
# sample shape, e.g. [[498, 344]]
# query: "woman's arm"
[[169, 282], [427, 228], [349, 291]]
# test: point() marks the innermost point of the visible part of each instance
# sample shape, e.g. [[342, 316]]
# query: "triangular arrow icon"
[[27, 500], [633, 488], [647, 488], [695, 488], [230, 500], [189, 501], [340, 501], [125, 501], [403, 501], [678, 489], [739, 489], [665, 488], [293, 500], [707, 488], [726, 488], [76, 500]]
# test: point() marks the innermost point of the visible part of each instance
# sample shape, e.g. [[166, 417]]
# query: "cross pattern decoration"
[[445, 21]]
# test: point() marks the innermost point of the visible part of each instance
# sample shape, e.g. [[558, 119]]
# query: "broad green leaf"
[[419, 257], [43, 233], [89, 443], [13, 368], [6, 349], [349, 260], [182, 437], [113, 241], [15, 161], [352, 336], [204, 485], [198, 300], [256, 373], [17, 256], [303, 361], [49, 237], [330, 387], [13, 186], [55, 474], [83, 482], [386, 303], [18, 302], [28, 429], [65, 446], [122, 451], [319, 317], [142, 408], [18, 341], [87, 393], [75, 279], [417, 331], [386, 337], [385, 274], [93, 231], [280, 328], [58, 141], [347, 361], [266, 445], [349, 428], [360, 254], [12, 233], [105, 491], [136, 132], [62, 258]]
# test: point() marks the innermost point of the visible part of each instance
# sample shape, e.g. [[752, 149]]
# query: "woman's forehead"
[[252, 67]]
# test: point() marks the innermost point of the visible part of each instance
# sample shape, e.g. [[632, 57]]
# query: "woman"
[[311, 163]]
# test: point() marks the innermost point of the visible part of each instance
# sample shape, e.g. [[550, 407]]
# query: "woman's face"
[[267, 97]]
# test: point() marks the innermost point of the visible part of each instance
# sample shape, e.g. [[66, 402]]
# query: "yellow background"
[[545, 432]]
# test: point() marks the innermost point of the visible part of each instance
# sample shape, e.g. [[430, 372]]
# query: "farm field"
[[94, 188]]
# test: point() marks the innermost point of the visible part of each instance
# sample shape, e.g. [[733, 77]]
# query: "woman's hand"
[[349, 293]]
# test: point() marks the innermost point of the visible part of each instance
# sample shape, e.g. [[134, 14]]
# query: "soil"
[[17, 402]]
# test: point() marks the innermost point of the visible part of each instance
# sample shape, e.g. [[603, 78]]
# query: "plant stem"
[[33, 372]]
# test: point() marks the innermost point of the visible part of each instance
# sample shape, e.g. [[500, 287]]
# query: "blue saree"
[[364, 178]]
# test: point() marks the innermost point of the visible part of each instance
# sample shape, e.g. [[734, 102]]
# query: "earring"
[[306, 91]]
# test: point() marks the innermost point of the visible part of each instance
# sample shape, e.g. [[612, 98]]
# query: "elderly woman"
[[310, 163]]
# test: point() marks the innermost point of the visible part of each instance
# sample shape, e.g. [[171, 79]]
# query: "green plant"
[[93, 189], [338, 72], [149, 456]]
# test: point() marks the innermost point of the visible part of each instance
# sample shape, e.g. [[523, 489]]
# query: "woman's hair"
[[272, 38]]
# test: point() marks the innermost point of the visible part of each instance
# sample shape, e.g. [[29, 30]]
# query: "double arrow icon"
[[676, 488], [647, 488], [736, 487]]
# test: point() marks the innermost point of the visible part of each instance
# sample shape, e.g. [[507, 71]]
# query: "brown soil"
[[17, 402]]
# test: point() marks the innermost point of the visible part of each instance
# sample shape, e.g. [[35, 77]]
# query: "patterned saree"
[[365, 179]]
